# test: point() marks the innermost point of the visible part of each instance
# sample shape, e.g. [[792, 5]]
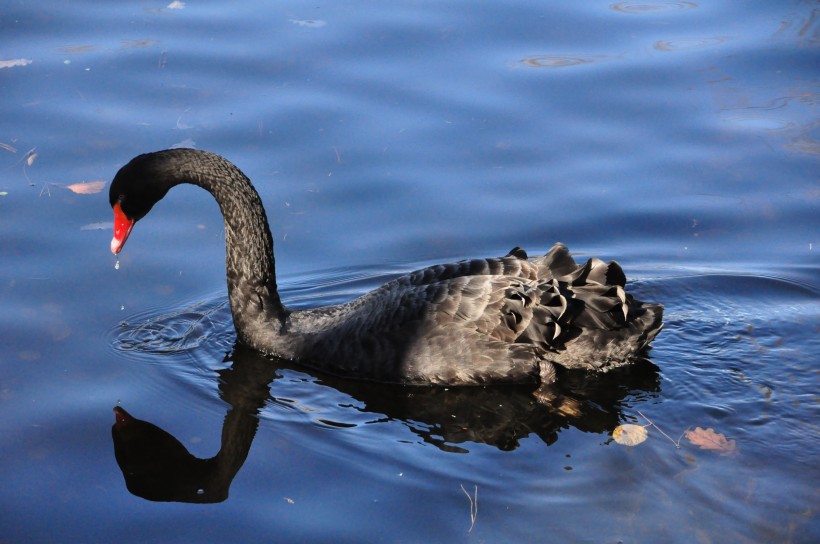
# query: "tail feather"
[[556, 263], [585, 318]]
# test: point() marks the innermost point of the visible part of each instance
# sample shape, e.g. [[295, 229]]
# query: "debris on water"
[[629, 434], [100, 225], [84, 187], [14, 62], [709, 439], [309, 23]]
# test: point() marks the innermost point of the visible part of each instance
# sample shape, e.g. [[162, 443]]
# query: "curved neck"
[[250, 267]]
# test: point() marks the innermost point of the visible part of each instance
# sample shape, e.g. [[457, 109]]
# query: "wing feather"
[[488, 321]]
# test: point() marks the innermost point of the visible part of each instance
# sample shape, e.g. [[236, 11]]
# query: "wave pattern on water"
[[178, 331], [392, 135], [682, 44], [651, 7], [563, 61]]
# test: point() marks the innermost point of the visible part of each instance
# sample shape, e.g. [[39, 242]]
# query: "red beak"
[[121, 417], [122, 228]]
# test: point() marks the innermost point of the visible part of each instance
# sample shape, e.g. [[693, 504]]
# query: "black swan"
[[499, 320]]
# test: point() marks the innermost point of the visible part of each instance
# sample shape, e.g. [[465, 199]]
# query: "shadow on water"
[[157, 466]]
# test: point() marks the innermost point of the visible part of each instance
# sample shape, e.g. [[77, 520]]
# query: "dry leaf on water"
[[86, 187], [11, 63], [708, 439], [629, 434]]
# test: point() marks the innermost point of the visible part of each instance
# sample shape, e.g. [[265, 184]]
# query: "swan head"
[[135, 189]]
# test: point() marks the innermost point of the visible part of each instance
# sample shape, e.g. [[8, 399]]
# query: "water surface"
[[680, 138]]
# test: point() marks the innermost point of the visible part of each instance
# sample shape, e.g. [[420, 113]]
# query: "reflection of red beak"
[[122, 228]]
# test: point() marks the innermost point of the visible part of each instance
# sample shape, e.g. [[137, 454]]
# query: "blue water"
[[680, 138]]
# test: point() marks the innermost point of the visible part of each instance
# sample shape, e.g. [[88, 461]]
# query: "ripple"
[[189, 343], [179, 331], [731, 298], [308, 23], [690, 43], [335, 424], [78, 49], [655, 7], [760, 122], [138, 44], [561, 61], [805, 144], [778, 103]]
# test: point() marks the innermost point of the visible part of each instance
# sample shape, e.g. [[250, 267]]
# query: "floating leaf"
[[708, 439], [138, 44], [14, 62], [78, 49], [86, 187], [629, 434]]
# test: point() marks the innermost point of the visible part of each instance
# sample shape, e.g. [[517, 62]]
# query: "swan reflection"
[[158, 467]]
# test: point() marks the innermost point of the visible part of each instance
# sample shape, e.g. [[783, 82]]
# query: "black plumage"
[[497, 320]]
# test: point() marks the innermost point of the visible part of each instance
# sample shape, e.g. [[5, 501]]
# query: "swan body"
[[499, 320]]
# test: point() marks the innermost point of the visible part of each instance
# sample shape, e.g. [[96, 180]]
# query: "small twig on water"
[[473, 505], [682, 435], [677, 444]]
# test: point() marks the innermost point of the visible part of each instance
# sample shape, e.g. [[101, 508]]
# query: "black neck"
[[251, 274]]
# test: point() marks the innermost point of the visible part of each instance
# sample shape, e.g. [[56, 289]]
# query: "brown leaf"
[[708, 439], [86, 187]]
